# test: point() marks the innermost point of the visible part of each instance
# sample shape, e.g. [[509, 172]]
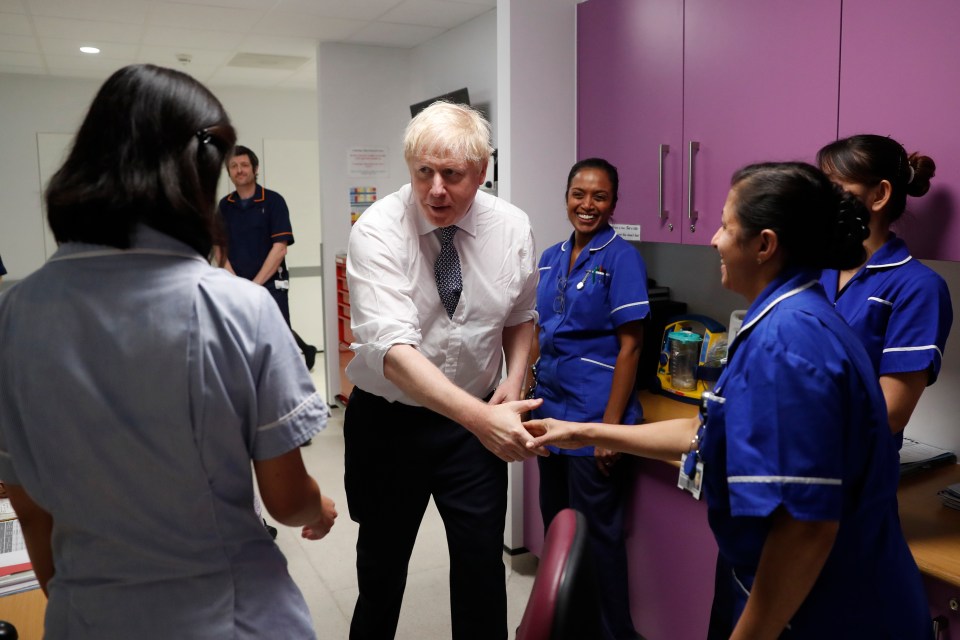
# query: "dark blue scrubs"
[[801, 424], [253, 226]]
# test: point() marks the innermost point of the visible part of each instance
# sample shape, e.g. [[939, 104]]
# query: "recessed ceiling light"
[[89, 50]]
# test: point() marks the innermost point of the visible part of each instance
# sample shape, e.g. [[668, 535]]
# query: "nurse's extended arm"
[[292, 496], [902, 392], [630, 337], [37, 525], [498, 427], [792, 558], [516, 347], [665, 440]]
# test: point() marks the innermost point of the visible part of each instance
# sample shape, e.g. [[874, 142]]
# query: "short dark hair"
[[867, 159], [817, 224], [596, 163], [241, 150], [150, 150]]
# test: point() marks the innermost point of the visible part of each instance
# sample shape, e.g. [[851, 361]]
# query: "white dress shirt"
[[394, 299]]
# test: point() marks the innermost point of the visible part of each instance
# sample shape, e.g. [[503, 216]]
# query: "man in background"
[[258, 233], [442, 284]]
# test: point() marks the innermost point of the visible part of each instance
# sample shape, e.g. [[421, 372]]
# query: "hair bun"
[[922, 169], [850, 230]]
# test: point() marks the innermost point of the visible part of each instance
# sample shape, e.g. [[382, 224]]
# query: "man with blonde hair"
[[442, 282]]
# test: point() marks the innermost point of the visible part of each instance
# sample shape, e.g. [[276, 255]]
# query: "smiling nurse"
[[592, 299], [794, 431]]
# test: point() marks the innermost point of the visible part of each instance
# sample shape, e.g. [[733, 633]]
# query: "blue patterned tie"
[[447, 271]]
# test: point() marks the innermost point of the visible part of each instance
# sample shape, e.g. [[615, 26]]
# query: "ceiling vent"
[[267, 61]]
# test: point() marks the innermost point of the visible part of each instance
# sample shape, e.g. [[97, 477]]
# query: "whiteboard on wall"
[[52, 150]]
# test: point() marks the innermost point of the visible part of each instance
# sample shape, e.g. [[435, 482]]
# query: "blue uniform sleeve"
[[918, 327], [546, 284], [785, 430], [280, 228], [628, 290]]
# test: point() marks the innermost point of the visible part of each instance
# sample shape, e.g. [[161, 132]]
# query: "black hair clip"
[[203, 136]]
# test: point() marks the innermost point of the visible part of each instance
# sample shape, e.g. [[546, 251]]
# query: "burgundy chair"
[[564, 603]]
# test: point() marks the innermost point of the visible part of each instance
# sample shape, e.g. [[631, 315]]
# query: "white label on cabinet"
[[628, 231]]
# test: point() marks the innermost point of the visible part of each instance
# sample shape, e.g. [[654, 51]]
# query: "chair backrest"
[[564, 603]]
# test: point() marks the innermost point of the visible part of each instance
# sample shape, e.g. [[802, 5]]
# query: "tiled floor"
[[325, 569]]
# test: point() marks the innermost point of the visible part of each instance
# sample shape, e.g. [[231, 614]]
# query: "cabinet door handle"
[[691, 212], [940, 624], [664, 150]]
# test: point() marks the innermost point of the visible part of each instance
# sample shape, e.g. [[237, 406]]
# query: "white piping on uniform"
[[631, 304], [782, 480], [602, 364], [892, 264], [923, 348]]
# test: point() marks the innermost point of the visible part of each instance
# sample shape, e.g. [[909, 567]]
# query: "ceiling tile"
[[126, 11], [226, 4], [394, 35], [12, 6], [21, 59], [357, 10], [71, 47], [15, 24], [30, 71], [492, 4], [189, 38], [67, 28], [167, 56], [190, 16], [307, 26], [279, 45], [43, 36], [84, 63], [434, 13], [22, 44]]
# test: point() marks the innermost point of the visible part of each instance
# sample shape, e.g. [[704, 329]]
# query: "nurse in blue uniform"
[[798, 468], [592, 299], [900, 308]]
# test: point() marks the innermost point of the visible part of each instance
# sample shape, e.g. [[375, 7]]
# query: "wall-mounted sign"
[[367, 162]]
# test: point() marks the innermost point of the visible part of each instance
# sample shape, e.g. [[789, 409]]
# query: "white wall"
[[462, 57], [537, 68]]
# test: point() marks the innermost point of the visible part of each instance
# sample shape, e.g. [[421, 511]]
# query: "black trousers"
[[396, 457]]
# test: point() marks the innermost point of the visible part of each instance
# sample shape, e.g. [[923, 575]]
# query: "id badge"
[[691, 475]]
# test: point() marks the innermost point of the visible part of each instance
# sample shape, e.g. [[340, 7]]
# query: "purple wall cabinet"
[[718, 84], [630, 106], [900, 76]]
